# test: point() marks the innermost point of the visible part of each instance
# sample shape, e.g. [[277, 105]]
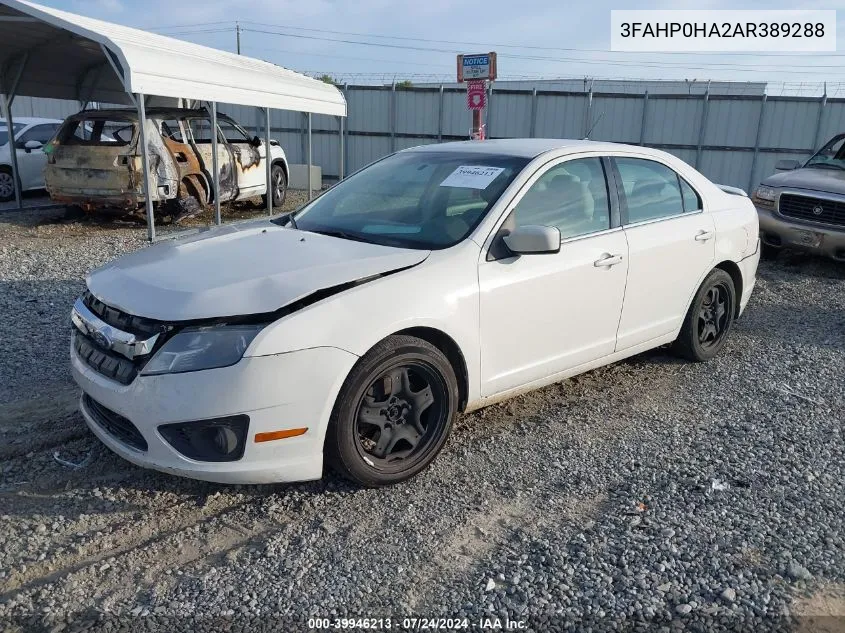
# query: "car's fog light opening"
[[217, 440], [772, 239]]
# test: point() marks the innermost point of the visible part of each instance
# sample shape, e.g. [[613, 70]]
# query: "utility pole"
[[238, 35]]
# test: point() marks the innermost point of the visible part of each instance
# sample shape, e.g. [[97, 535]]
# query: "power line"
[[197, 32], [248, 45], [529, 46], [182, 26], [677, 65]]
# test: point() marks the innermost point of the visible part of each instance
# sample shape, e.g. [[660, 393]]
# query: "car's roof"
[[522, 147], [29, 120]]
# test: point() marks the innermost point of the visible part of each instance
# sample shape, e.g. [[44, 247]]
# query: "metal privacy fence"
[[733, 139]]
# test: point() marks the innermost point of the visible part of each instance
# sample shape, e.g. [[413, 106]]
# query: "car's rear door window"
[[692, 201], [650, 190]]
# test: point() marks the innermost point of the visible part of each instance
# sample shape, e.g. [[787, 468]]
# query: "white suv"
[[31, 134]]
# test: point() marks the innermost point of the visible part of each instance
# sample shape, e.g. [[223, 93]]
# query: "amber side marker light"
[[279, 435]]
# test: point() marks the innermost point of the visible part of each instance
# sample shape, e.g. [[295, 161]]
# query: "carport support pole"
[[6, 102], [310, 184], [145, 164], [215, 163], [341, 166], [269, 175]]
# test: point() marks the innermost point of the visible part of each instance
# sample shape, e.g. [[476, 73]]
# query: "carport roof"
[[69, 56]]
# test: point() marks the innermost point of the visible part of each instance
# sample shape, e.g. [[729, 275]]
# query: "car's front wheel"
[[278, 186], [709, 318], [393, 413], [7, 184]]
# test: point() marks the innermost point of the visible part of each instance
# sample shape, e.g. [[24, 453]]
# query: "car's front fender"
[[441, 294]]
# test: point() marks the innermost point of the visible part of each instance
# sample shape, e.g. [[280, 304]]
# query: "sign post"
[[476, 71]]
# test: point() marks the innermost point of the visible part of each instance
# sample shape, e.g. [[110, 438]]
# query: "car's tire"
[[709, 319], [767, 251], [183, 208], [278, 186], [393, 414], [7, 184]]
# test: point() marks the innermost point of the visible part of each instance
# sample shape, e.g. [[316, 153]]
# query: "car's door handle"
[[703, 236], [607, 260]]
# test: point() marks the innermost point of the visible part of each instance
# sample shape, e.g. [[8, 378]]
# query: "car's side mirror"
[[787, 164], [533, 239], [32, 145], [256, 142]]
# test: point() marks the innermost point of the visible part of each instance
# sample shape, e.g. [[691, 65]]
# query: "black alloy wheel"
[[709, 318], [393, 413], [400, 414], [713, 316]]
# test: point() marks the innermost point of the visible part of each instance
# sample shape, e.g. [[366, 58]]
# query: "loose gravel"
[[649, 495]]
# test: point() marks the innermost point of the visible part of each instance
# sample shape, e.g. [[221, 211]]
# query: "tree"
[[328, 79], [404, 85]]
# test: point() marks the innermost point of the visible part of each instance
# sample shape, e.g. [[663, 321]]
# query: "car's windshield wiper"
[[825, 165], [341, 234]]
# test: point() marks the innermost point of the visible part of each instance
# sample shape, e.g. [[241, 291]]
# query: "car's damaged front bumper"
[[259, 397]]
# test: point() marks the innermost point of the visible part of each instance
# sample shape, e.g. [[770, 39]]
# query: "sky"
[[418, 40]]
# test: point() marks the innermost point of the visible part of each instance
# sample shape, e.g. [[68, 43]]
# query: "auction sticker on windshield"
[[472, 176]]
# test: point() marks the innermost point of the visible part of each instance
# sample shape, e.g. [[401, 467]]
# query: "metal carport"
[[46, 52]]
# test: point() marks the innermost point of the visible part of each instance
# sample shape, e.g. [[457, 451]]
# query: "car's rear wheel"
[[278, 186], [393, 413], [709, 319], [7, 184]]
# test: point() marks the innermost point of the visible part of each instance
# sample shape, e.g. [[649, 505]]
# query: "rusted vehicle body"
[[102, 167]]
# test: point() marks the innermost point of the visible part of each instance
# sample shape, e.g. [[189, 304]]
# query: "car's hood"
[[828, 180], [236, 270]]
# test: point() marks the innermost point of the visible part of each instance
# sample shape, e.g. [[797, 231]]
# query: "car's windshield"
[[4, 131], [831, 155], [425, 199]]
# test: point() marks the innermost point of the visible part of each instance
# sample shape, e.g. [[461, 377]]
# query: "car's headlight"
[[765, 193], [198, 348]]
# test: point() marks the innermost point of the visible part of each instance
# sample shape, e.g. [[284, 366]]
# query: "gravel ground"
[[649, 495]]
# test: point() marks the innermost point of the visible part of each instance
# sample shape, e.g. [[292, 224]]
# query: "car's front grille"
[[812, 209], [114, 424], [139, 326], [107, 362]]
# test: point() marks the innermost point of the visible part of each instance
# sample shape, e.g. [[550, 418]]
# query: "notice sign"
[[481, 66], [476, 95], [472, 176]]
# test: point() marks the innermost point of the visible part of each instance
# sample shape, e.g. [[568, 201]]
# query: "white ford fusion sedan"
[[439, 279]]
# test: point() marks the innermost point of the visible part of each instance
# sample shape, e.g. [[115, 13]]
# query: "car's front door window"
[[41, 133], [232, 133], [571, 196]]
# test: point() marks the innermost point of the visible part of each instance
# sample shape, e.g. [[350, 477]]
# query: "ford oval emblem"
[[101, 339], [818, 210]]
